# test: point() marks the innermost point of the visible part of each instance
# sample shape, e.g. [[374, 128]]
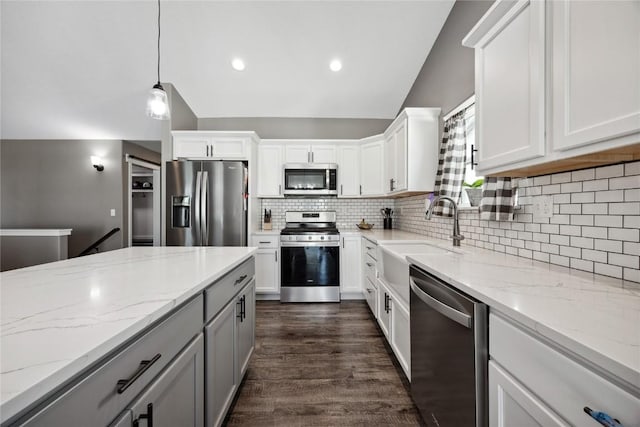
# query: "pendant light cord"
[[158, 41]]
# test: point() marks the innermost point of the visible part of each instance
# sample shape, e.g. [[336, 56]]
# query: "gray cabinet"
[[245, 323], [221, 355], [176, 397]]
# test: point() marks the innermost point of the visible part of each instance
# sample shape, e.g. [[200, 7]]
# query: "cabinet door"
[[384, 308], [510, 88], [245, 326], [176, 397], [349, 171], [350, 257], [221, 356], [324, 154], [230, 148], [372, 168], [511, 404], [191, 147], [400, 159], [596, 71], [124, 420], [297, 153], [269, 170], [401, 336], [267, 271], [389, 163]]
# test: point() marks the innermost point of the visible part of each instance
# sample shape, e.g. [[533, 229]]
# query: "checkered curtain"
[[451, 163], [497, 202]]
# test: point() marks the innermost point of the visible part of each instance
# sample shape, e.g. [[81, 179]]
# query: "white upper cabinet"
[[509, 44], [310, 153], [270, 170], [556, 81], [372, 167], [348, 170], [411, 151], [212, 145], [595, 71]]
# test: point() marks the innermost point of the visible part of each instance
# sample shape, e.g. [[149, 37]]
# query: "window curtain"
[[451, 163], [497, 199]]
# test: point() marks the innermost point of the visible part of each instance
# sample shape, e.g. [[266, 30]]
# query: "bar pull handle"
[[240, 279], [361, 189], [473, 160], [341, 190], [279, 188], [207, 150], [369, 290], [369, 247], [369, 264], [239, 315], [123, 385], [453, 314], [148, 416], [276, 252], [263, 243]]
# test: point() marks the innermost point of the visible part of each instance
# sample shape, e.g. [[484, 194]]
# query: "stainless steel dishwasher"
[[448, 353]]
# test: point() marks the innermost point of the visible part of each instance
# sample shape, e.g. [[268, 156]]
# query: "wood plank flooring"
[[321, 365]]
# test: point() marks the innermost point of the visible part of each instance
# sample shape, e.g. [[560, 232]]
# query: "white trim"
[[35, 232], [140, 162], [463, 106]]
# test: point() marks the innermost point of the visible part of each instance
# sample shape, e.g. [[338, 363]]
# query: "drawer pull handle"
[[369, 247], [602, 418], [123, 385], [148, 416], [369, 290], [240, 279], [369, 264], [263, 243]]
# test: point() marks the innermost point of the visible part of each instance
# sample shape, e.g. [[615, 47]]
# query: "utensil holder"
[[387, 223]]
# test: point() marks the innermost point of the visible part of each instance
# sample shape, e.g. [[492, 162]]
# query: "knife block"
[[267, 226]]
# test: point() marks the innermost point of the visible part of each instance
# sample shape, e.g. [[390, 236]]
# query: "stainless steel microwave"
[[310, 179]]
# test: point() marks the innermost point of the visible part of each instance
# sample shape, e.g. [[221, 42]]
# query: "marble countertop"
[[35, 232], [59, 318], [594, 317]]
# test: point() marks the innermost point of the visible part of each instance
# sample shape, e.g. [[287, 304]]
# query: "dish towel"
[[497, 199], [451, 163]]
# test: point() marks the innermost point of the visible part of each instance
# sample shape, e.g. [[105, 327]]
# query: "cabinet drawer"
[[564, 385], [371, 295], [220, 293], [369, 267], [265, 241], [96, 400], [370, 248]]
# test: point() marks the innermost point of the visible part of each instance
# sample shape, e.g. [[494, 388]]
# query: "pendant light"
[[158, 102]]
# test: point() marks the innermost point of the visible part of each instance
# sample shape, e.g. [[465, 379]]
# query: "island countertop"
[[58, 319]]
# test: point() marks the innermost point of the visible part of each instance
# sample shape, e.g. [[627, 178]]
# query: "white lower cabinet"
[[513, 405], [384, 308], [245, 326], [267, 263], [350, 277], [371, 295], [176, 397], [533, 383], [400, 335]]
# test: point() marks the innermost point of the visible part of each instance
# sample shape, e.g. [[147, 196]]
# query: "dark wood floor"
[[321, 365]]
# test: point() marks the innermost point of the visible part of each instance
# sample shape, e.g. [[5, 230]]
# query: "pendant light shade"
[[158, 101]]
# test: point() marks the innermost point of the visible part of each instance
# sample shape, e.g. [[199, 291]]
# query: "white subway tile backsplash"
[[609, 171], [596, 212], [583, 175]]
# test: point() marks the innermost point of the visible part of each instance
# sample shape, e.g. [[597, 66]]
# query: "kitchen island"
[[62, 321]]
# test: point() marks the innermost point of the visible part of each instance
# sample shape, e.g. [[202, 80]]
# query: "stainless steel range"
[[310, 247]]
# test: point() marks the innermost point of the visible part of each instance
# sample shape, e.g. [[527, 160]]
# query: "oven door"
[[310, 264]]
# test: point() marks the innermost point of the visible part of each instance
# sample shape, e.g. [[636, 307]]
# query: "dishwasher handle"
[[453, 314]]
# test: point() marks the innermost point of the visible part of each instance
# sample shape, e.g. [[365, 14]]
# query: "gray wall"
[[447, 76], [52, 184], [303, 128]]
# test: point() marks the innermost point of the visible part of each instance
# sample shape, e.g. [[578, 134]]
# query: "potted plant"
[[474, 191]]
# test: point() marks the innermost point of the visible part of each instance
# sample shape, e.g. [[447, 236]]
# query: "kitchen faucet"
[[456, 225]]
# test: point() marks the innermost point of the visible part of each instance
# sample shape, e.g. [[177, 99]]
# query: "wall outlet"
[[543, 206], [113, 212]]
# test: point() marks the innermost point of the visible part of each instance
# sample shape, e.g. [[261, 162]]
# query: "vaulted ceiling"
[[81, 69]]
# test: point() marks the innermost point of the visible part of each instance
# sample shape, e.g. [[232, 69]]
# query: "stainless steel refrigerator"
[[206, 203]]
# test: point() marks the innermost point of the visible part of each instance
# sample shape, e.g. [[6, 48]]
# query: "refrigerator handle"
[[198, 203], [204, 213]]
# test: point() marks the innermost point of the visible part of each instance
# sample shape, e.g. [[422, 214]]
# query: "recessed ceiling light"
[[237, 64], [335, 65]]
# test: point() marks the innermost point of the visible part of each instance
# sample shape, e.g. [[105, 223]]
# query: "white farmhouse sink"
[[394, 267]]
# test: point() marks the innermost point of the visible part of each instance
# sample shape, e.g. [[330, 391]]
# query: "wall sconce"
[[97, 163]]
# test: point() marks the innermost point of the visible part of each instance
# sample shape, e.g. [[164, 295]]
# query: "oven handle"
[[445, 310], [309, 244]]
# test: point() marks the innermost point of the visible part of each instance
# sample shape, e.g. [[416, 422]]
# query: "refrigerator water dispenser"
[[181, 213]]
